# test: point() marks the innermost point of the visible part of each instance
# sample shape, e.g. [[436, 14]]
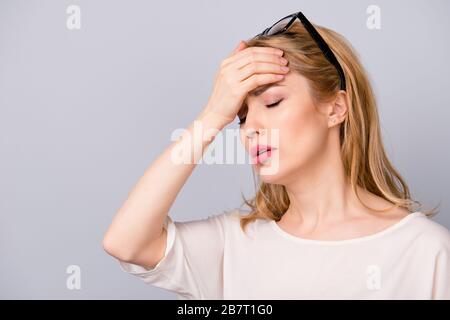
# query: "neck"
[[321, 192]]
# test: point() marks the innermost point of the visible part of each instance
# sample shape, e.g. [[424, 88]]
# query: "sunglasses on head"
[[283, 24]]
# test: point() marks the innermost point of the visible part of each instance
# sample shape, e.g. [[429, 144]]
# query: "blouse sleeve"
[[441, 283], [193, 261]]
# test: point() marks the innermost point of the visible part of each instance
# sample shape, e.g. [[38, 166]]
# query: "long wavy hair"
[[363, 154]]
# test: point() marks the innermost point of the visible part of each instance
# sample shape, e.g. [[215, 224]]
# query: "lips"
[[261, 152], [258, 149]]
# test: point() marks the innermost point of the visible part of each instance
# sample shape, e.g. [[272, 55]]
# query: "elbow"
[[109, 246], [115, 249]]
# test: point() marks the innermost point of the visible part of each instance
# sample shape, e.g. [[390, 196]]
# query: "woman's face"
[[295, 130]]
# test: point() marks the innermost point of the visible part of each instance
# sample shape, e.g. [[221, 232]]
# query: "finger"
[[259, 57], [258, 80], [251, 50], [241, 45], [261, 67]]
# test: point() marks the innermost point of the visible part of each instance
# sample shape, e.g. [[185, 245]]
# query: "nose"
[[250, 133], [258, 135], [252, 124]]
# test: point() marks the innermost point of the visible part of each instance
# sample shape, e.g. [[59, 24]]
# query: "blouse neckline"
[[378, 234]]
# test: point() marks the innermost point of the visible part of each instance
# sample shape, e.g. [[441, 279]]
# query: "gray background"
[[84, 112]]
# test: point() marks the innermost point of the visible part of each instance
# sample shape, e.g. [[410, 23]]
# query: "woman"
[[332, 218]]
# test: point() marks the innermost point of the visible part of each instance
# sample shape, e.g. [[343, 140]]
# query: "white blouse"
[[212, 258]]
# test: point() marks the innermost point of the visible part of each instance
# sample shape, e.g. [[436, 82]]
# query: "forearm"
[[140, 219]]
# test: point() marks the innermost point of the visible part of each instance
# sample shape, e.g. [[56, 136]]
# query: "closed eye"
[[274, 104], [242, 120]]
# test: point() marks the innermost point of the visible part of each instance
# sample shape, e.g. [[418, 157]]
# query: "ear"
[[338, 109]]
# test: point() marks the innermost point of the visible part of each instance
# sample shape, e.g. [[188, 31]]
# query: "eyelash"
[[241, 121]]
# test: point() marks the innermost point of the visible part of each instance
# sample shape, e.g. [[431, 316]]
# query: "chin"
[[279, 172], [270, 172]]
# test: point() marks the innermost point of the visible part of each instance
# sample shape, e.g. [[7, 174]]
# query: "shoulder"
[[223, 219], [234, 216], [430, 231], [228, 217], [219, 220], [231, 220]]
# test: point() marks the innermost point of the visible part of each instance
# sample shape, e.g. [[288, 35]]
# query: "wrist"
[[212, 119]]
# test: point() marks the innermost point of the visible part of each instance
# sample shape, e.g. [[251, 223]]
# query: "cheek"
[[302, 134]]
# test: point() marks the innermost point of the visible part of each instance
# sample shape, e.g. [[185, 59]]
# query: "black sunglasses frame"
[[317, 38]]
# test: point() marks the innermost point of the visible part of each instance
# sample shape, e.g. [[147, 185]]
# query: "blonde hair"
[[364, 158]]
